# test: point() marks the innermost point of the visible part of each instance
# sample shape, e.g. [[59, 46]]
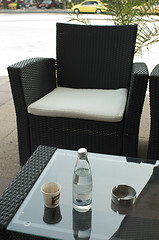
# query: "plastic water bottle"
[[82, 183]]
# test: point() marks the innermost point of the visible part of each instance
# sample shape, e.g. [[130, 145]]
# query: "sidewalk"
[[8, 133]]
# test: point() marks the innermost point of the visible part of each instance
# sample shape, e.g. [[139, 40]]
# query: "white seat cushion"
[[91, 104]]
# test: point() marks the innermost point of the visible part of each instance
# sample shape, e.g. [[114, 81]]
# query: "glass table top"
[[104, 219]]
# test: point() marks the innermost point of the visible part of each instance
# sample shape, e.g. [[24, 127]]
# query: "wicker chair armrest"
[[136, 96], [32, 78], [153, 148], [155, 73]]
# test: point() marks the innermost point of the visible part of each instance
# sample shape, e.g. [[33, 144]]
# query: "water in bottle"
[[82, 183]]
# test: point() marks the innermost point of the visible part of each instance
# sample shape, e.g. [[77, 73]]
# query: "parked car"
[[12, 5], [25, 4], [90, 7], [46, 4], [8, 2]]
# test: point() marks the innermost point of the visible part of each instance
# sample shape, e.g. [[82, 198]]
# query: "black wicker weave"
[[153, 148], [87, 57], [12, 198]]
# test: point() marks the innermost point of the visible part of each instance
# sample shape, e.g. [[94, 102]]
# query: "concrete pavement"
[[9, 163]]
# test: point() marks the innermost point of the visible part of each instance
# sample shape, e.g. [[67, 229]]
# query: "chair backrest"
[[95, 56]]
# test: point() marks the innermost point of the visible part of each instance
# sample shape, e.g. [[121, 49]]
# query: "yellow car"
[[89, 7]]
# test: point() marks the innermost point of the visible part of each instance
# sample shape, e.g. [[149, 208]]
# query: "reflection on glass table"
[[82, 224]]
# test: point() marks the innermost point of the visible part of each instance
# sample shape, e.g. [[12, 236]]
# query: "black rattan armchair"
[[153, 148], [94, 57]]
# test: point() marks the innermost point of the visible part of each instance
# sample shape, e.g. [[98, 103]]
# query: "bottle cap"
[[82, 152]]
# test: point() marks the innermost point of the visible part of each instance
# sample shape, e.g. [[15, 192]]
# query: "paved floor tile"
[[5, 97], [5, 87]]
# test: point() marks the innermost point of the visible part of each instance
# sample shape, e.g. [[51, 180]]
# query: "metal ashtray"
[[123, 195]]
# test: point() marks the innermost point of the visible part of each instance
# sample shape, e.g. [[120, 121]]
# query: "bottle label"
[[82, 199]]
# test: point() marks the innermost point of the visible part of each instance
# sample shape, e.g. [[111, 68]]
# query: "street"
[[27, 35], [34, 35]]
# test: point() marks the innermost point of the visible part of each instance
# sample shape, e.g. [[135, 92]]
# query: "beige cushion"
[[92, 104]]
